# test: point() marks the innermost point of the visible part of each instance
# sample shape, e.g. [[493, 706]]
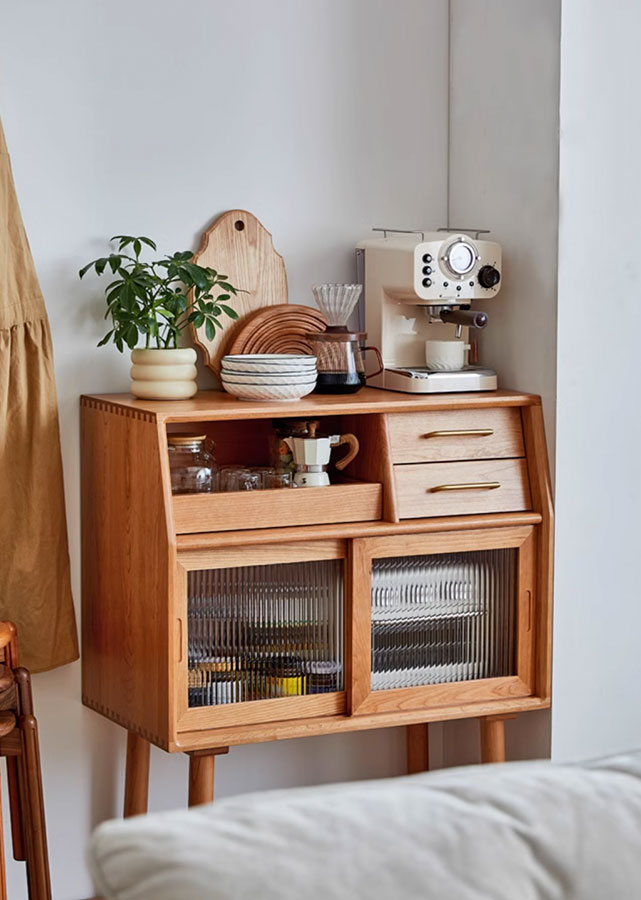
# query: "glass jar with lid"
[[192, 464]]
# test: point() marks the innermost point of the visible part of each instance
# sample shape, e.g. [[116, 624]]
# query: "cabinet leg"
[[136, 775], [201, 775], [493, 738], [418, 753]]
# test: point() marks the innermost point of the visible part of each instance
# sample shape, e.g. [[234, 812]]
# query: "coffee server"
[[418, 291]]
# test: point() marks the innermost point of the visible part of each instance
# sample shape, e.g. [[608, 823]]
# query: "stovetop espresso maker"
[[312, 454]]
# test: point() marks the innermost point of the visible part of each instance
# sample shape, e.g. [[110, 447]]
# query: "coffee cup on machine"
[[445, 356]]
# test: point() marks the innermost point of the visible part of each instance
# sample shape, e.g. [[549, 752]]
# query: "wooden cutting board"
[[239, 246]]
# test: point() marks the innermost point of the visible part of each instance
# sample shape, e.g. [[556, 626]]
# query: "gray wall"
[[597, 669], [504, 100]]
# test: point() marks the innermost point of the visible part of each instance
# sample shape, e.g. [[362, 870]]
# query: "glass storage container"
[[192, 464]]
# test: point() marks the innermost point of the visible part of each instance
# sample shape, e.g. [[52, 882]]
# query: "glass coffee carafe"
[[340, 361], [339, 352]]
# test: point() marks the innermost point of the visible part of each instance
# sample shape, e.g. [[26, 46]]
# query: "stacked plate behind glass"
[[269, 376]]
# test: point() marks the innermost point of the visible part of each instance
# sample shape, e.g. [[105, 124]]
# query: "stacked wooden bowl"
[[277, 329]]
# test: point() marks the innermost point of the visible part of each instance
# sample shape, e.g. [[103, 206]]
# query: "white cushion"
[[518, 831]]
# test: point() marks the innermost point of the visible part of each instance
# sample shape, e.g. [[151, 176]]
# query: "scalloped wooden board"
[[239, 246]]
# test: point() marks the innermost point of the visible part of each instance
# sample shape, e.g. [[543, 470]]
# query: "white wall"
[[324, 119], [504, 112], [597, 668]]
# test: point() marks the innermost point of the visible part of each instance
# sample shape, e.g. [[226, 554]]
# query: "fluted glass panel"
[[442, 618], [259, 632]]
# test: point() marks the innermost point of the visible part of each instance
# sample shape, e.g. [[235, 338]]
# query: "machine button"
[[446, 284], [427, 282], [471, 284], [458, 287], [427, 258], [489, 276], [427, 270]]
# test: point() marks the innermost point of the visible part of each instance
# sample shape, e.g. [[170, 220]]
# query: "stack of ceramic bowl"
[[269, 376]]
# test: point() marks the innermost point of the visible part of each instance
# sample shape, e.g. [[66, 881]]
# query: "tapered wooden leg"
[[201, 775], [493, 738], [136, 776], [418, 752]]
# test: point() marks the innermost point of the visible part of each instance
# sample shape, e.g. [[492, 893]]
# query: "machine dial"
[[489, 277], [460, 258]]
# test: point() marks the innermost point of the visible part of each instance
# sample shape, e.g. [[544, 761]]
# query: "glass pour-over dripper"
[[336, 302]]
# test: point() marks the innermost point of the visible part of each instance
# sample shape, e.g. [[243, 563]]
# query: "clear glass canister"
[[192, 464]]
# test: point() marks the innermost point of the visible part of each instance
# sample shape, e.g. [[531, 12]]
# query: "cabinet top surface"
[[220, 405]]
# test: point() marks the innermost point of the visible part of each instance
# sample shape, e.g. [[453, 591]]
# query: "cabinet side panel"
[[125, 570], [538, 467]]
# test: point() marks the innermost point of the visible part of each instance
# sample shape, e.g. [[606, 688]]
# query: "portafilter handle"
[[467, 318]]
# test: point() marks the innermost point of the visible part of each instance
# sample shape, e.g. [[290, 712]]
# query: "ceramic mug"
[[445, 356]]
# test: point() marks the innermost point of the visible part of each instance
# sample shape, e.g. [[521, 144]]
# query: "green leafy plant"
[[160, 298]]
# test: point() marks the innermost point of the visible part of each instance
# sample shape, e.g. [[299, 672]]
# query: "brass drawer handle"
[[461, 432], [478, 486]]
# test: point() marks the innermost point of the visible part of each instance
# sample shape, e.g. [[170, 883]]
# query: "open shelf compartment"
[[352, 497]]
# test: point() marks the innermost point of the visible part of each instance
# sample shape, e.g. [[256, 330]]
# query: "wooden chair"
[[19, 744]]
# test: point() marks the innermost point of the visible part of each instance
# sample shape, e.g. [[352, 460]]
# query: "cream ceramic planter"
[[164, 374]]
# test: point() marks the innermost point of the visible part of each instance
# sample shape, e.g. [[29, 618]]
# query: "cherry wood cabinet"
[[417, 588]]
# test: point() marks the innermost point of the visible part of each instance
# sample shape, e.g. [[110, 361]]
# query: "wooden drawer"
[[493, 433], [444, 489], [345, 502]]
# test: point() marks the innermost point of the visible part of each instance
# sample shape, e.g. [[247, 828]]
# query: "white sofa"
[[518, 831]]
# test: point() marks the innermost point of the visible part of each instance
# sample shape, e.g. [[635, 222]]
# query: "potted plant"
[[156, 301]]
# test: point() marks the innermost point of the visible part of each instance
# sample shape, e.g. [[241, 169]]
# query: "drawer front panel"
[[462, 488], [494, 433]]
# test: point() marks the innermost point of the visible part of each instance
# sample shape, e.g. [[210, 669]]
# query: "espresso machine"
[[419, 286]]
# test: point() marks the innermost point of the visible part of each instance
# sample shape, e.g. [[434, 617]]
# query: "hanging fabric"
[[35, 590]]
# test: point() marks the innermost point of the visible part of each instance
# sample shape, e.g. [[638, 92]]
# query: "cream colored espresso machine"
[[419, 286]]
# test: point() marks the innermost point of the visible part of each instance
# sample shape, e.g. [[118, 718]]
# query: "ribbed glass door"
[[443, 618], [266, 631]]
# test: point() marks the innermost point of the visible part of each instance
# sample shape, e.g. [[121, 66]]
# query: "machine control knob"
[[488, 277], [427, 270], [427, 258], [427, 282]]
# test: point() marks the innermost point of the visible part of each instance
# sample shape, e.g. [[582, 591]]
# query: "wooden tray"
[[277, 329], [239, 246]]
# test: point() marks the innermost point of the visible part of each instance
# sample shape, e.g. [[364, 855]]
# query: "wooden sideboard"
[[452, 491]]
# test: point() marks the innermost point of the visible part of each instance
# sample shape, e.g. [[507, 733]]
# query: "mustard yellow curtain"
[[35, 590]]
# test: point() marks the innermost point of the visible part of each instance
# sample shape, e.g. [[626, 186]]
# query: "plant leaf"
[[131, 336], [86, 268], [198, 275], [148, 242], [105, 338], [230, 312], [210, 329]]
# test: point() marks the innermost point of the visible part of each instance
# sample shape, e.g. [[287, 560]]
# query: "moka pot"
[[312, 454]]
